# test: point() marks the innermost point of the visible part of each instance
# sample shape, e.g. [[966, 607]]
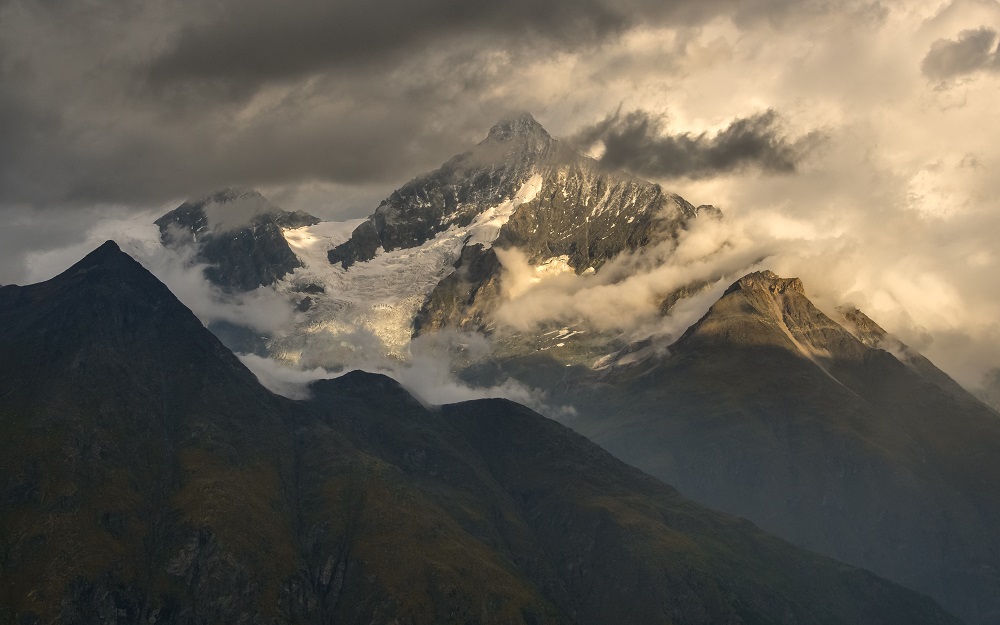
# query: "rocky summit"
[[581, 215], [238, 234]]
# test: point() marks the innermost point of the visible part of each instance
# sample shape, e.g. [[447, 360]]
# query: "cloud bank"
[[428, 374], [972, 51], [639, 142]]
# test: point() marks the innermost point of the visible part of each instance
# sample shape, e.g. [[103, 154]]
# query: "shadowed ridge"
[[130, 435], [104, 253], [110, 277], [110, 261], [358, 378], [873, 335], [596, 516], [105, 263], [102, 269]]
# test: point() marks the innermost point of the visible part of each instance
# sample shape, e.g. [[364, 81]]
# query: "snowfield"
[[373, 304]]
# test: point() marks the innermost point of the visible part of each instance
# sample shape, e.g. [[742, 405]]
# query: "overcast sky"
[[863, 131]]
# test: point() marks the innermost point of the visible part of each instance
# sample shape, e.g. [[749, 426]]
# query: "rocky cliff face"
[[238, 233], [466, 298], [147, 477], [579, 211], [454, 195]]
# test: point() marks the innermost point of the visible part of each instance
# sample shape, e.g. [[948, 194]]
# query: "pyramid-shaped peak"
[[108, 248], [520, 124], [108, 254], [766, 280], [107, 259], [106, 265]]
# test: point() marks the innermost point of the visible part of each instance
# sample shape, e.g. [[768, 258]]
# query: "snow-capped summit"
[[581, 210], [492, 172]]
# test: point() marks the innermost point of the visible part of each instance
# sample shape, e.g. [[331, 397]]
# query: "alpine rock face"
[[238, 234]]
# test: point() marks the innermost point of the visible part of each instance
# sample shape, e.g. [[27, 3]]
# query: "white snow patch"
[[486, 228], [373, 303], [304, 241]]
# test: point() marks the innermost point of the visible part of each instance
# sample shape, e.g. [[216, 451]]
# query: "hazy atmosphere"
[[852, 144]]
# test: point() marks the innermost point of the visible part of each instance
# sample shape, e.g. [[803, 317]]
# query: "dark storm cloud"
[[20, 126], [249, 43], [382, 129], [255, 42], [972, 51], [139, 103], [639, 142]]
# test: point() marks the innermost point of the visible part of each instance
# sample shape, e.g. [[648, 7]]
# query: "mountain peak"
[[238, 233], [108, 256], [767, 280], [520, 124], [114, 275], [107, 250]]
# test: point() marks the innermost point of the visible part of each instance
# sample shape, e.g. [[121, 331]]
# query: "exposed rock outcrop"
[[238, 233]]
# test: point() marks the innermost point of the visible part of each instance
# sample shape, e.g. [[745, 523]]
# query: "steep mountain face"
[[238, 233], [580, 210], [577, 214], [769, 409], [454, 195], [465, 298], [134, 446], [145, 476]]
